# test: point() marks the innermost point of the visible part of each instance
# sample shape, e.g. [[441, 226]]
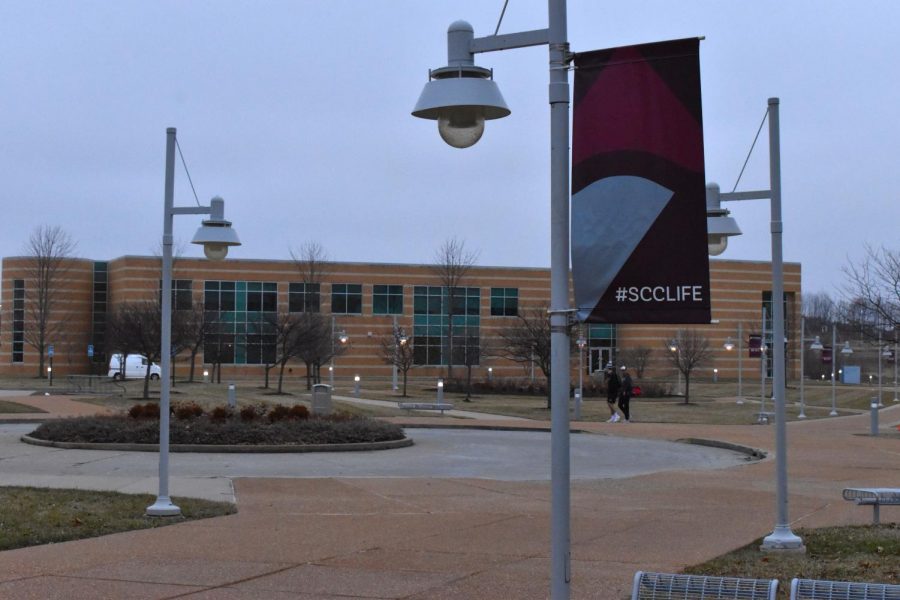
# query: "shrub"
[[187, 411], [279, 412], [299, 412], [248, 414], [149, 410], [220, 413]]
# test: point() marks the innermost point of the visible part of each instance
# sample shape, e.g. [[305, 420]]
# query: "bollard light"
[[356, 385]]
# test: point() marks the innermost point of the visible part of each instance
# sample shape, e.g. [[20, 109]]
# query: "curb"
[[752, 453], [225, 449]]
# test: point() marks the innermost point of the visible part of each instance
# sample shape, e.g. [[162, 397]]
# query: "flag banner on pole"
[[639, 252], [754, 348]]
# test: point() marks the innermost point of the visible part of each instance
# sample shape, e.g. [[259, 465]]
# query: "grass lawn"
[[863, 553], [7, 407], [711, 403], [34, 516]]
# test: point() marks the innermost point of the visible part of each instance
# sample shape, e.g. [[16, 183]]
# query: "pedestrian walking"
[[625, 391], [613, 386]]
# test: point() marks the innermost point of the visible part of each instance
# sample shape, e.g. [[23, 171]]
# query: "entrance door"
[[599, 358]]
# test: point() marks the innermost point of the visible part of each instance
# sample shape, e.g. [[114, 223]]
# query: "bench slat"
[[651, 586], [817, 589]]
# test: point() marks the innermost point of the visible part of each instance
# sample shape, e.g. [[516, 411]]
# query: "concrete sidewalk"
[[436, 538]]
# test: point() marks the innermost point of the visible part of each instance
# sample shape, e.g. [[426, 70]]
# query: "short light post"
[[715, 375], [356, 386], [490, 374], [440, 391], [460, 97], [781, 538], [215, 235]]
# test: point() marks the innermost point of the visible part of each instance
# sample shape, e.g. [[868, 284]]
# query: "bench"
[[441, 406], [875, 497], [812, 589], [649, 586], [764, 417]]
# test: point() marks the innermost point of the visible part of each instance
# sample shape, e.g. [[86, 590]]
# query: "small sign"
[[90, 350], [50, 350]]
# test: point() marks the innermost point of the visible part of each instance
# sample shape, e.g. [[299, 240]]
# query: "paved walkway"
[[433, 538]]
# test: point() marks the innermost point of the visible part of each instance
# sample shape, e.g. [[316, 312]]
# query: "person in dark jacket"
[[625, 394], [613, 385]]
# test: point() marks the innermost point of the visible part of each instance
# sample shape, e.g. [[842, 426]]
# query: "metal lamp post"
[[215, 235], [460, 97], [781, 538], [343, 338], [581, 343], [729, 345], [673, 347]]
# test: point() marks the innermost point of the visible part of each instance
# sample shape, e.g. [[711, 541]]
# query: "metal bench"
[[649, 586], [93, 384], [441, 406], [813, 589], [873, 496], [764, 417]]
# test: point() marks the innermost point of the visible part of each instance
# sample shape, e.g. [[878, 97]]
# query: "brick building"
[[366, 300]]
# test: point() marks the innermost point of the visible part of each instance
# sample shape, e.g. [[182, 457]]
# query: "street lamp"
[[581, 343], [461, 97], [781, 538], [673, 347], [729, 345], [343, 338], [215, 235], [845, 350]]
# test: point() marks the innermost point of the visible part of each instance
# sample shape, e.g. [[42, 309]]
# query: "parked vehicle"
[[135, 367]]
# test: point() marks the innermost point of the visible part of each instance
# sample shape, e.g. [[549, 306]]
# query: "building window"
[[346, 298], [243, 313], [18, 345], [504, 302], [304, 297], [387, 300], [182, 294], [601, 346], [100, 304], [431, 325]]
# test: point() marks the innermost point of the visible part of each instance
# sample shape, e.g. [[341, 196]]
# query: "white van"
[[135, 367]]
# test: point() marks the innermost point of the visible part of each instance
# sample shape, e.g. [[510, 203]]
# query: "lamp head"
[[817, 344], [460, 96], [215, 234], [729, 345], [719, 226]]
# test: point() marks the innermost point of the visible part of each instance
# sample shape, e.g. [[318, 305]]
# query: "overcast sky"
[[298, 114]]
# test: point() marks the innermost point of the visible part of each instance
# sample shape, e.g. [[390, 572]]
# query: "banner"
[[826, 355], [638, 229], [754, 347]]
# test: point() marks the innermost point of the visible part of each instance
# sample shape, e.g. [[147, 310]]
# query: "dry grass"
[[34, 516], [711, 403], [863, 553], [15, 407]]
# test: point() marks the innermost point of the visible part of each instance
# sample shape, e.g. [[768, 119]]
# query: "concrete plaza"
[[450, 536]]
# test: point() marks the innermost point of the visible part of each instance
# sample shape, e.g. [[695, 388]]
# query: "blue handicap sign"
[[90, 350], [50, 350]]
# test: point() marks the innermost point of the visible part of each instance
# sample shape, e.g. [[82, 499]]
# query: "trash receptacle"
[[321, 399]]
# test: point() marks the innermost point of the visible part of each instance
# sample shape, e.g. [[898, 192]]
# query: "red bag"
[[636, 390]]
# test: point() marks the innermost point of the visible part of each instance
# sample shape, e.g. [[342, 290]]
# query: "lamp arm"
[[752, 195], [508, 41]]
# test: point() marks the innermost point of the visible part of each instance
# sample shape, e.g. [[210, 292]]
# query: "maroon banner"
[[755, 346], [638, 229], [826, 355]]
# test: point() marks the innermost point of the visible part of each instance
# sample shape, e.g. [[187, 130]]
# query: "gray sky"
[[298, 114]]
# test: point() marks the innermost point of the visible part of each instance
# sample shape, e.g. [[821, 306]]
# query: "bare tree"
[[527, 341], [872, 291], [48, 249], [452, 262], [637, 358], [311, 261], [691, 351], [396, 350], [135, 328]]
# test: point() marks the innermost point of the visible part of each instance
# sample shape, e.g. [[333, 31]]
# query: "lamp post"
[[882, 351], [781, 538], [216, 235], [729, 345], [460, 98], [343, 338], [394, 385], [673, 347], [581, 343]]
